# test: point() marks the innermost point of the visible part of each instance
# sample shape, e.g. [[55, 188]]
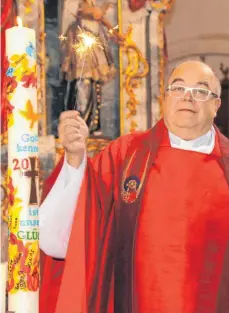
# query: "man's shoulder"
[[222, 138], [132, 138], [223, 142]]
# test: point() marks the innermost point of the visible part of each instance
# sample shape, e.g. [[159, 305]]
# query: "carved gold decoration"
[[59, 150], [121, 96], [162, 7], [94, 146], [133, 73]]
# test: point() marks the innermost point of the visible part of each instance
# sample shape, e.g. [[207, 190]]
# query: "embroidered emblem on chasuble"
[[133, 178]]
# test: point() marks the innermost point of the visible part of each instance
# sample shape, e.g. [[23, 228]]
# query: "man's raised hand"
[[73, 133]]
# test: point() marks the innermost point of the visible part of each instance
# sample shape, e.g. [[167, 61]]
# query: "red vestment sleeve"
[[50, 283], [91, 232]]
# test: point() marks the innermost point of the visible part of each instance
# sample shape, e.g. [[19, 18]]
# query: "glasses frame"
[[210, 93]]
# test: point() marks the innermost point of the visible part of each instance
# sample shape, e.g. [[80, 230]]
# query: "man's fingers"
[[70, 138], [77, 123], [80, 120], [70, 122], [71, 130], [69, 115]]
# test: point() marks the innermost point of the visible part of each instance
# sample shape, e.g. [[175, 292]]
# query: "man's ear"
[[218, 103]]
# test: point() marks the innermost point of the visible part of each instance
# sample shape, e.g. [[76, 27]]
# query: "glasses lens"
[[177, 91], [200, 94]]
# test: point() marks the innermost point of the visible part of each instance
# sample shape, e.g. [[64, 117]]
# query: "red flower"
[[29, 79], [6, 110], [13, 239], [10, 84], [9, 107]]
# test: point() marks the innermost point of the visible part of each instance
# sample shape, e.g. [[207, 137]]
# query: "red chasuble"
[[150, 233]]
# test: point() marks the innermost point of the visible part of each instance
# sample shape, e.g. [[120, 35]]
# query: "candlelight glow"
[[19, 21]]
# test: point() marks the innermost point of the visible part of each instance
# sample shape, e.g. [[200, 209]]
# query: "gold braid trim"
[[133, 72], [162, 7]]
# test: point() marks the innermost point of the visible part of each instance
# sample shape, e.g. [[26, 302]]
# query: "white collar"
[[202, 144]]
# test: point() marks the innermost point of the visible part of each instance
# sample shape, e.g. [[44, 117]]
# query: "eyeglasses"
[[198, 94]]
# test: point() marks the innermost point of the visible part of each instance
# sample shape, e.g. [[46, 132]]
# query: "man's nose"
[[188, 96]]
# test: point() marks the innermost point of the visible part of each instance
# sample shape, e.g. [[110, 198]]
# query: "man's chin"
[[185, 123], [188, 119]]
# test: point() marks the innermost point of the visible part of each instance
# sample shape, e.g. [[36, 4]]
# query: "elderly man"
[[148, 216]]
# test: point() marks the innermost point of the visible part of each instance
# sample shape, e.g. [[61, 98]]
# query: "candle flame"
[[19, 21]]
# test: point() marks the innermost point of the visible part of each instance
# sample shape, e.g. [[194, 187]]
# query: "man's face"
[[186, 112]]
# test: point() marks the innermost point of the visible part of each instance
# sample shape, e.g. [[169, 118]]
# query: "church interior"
[[107, 59]]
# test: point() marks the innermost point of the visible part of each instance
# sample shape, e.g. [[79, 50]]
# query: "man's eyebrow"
[[177, 80], [205, 83]]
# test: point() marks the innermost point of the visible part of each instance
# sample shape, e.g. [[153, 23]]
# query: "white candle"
[[18, 38], [23, 278]]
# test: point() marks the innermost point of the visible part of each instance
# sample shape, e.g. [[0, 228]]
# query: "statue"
[[85, 75]]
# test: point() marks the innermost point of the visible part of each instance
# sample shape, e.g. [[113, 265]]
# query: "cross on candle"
[[32, 173]]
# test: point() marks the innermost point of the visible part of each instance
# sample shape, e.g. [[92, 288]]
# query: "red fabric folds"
[[88, 280]]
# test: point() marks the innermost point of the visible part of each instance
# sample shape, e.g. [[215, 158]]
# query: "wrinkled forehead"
[[193, 75]]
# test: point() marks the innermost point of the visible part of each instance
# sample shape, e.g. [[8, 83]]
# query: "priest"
[[144, 226]]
